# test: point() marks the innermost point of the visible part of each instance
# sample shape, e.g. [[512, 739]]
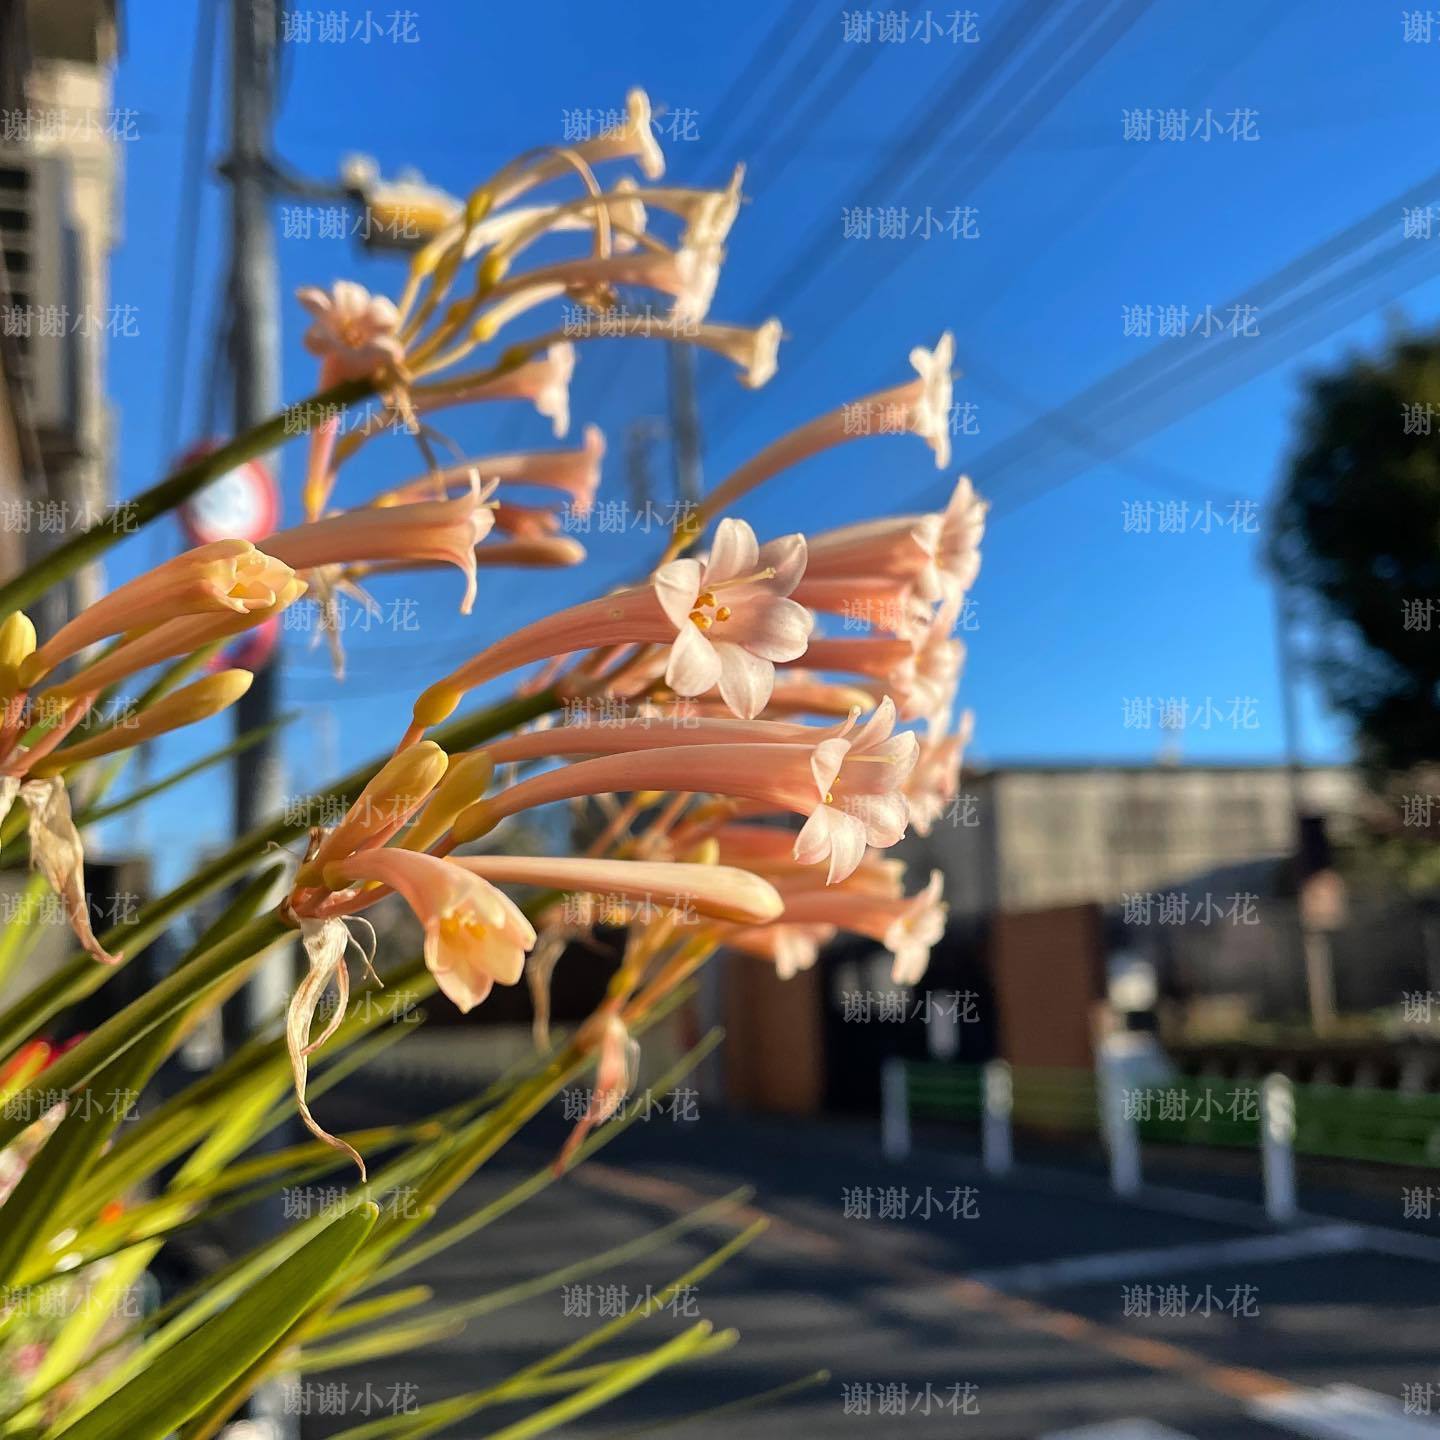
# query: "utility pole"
[[254, 339], [255, 362]]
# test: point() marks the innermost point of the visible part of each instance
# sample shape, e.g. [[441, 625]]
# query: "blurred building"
[[1028, 837], [59, 141], [1057, 875]]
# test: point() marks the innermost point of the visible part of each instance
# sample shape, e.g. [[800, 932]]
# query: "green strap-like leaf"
[[209, 1360]]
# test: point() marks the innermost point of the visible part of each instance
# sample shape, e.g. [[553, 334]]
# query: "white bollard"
[[1122, 1139], [1277, 1147], [998, 1104], [894, 1110]]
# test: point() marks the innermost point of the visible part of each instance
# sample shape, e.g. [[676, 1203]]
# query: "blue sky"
[[1074, 616]]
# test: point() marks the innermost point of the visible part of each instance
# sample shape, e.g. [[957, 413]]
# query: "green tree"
[[1356, 538]]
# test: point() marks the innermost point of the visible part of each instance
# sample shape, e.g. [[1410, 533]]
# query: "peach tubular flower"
[[935, 676], [688, 276], [576, 473], [354, 332], [891, 662], [165, 641], [908, 927], [634, 140], [935, 781], [615, 1071], [445, 531], [790, 948], [228, 577], [868, 807], [755, 352], [544, 382], [850, 790], [325, 943], [474, 933], [884, 574], [921, 407], [721, 892], [727, 621], [733, 618], [56, 851], [651, 732]]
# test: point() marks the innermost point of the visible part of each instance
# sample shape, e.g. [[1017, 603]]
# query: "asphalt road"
[[957, 1304]]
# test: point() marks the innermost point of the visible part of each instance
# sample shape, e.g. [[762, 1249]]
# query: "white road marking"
[[1119, 1430], [1343, 1412], [1172, 1259]]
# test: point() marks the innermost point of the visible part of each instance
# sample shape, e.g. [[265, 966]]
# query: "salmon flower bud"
[[400, 787], [180, 636], [920, 407], [17, 644], [552, 552], [425, 531], [186, 706], [733, 618], [721, 892], [57, 853], [467, 777], [907, 927], [226, 578], [355, 333], [526, 522], [474, 933]]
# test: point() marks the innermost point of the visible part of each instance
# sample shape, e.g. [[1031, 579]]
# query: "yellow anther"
[[723, 613], [701, 619]]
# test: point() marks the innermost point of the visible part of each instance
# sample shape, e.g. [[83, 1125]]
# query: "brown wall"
[[774, 1044], [1047, 967]]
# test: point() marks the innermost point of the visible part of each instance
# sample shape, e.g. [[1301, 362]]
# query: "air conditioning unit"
[[48, 321]]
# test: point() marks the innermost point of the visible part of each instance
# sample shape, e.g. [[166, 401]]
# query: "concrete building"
[[1033, 837]]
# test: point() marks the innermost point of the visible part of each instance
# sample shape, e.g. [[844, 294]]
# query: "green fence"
[[1381, 1126]]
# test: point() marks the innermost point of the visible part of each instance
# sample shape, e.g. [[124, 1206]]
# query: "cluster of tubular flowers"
[[192, 602], [649, 257], [474, 933], [762, 768]]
